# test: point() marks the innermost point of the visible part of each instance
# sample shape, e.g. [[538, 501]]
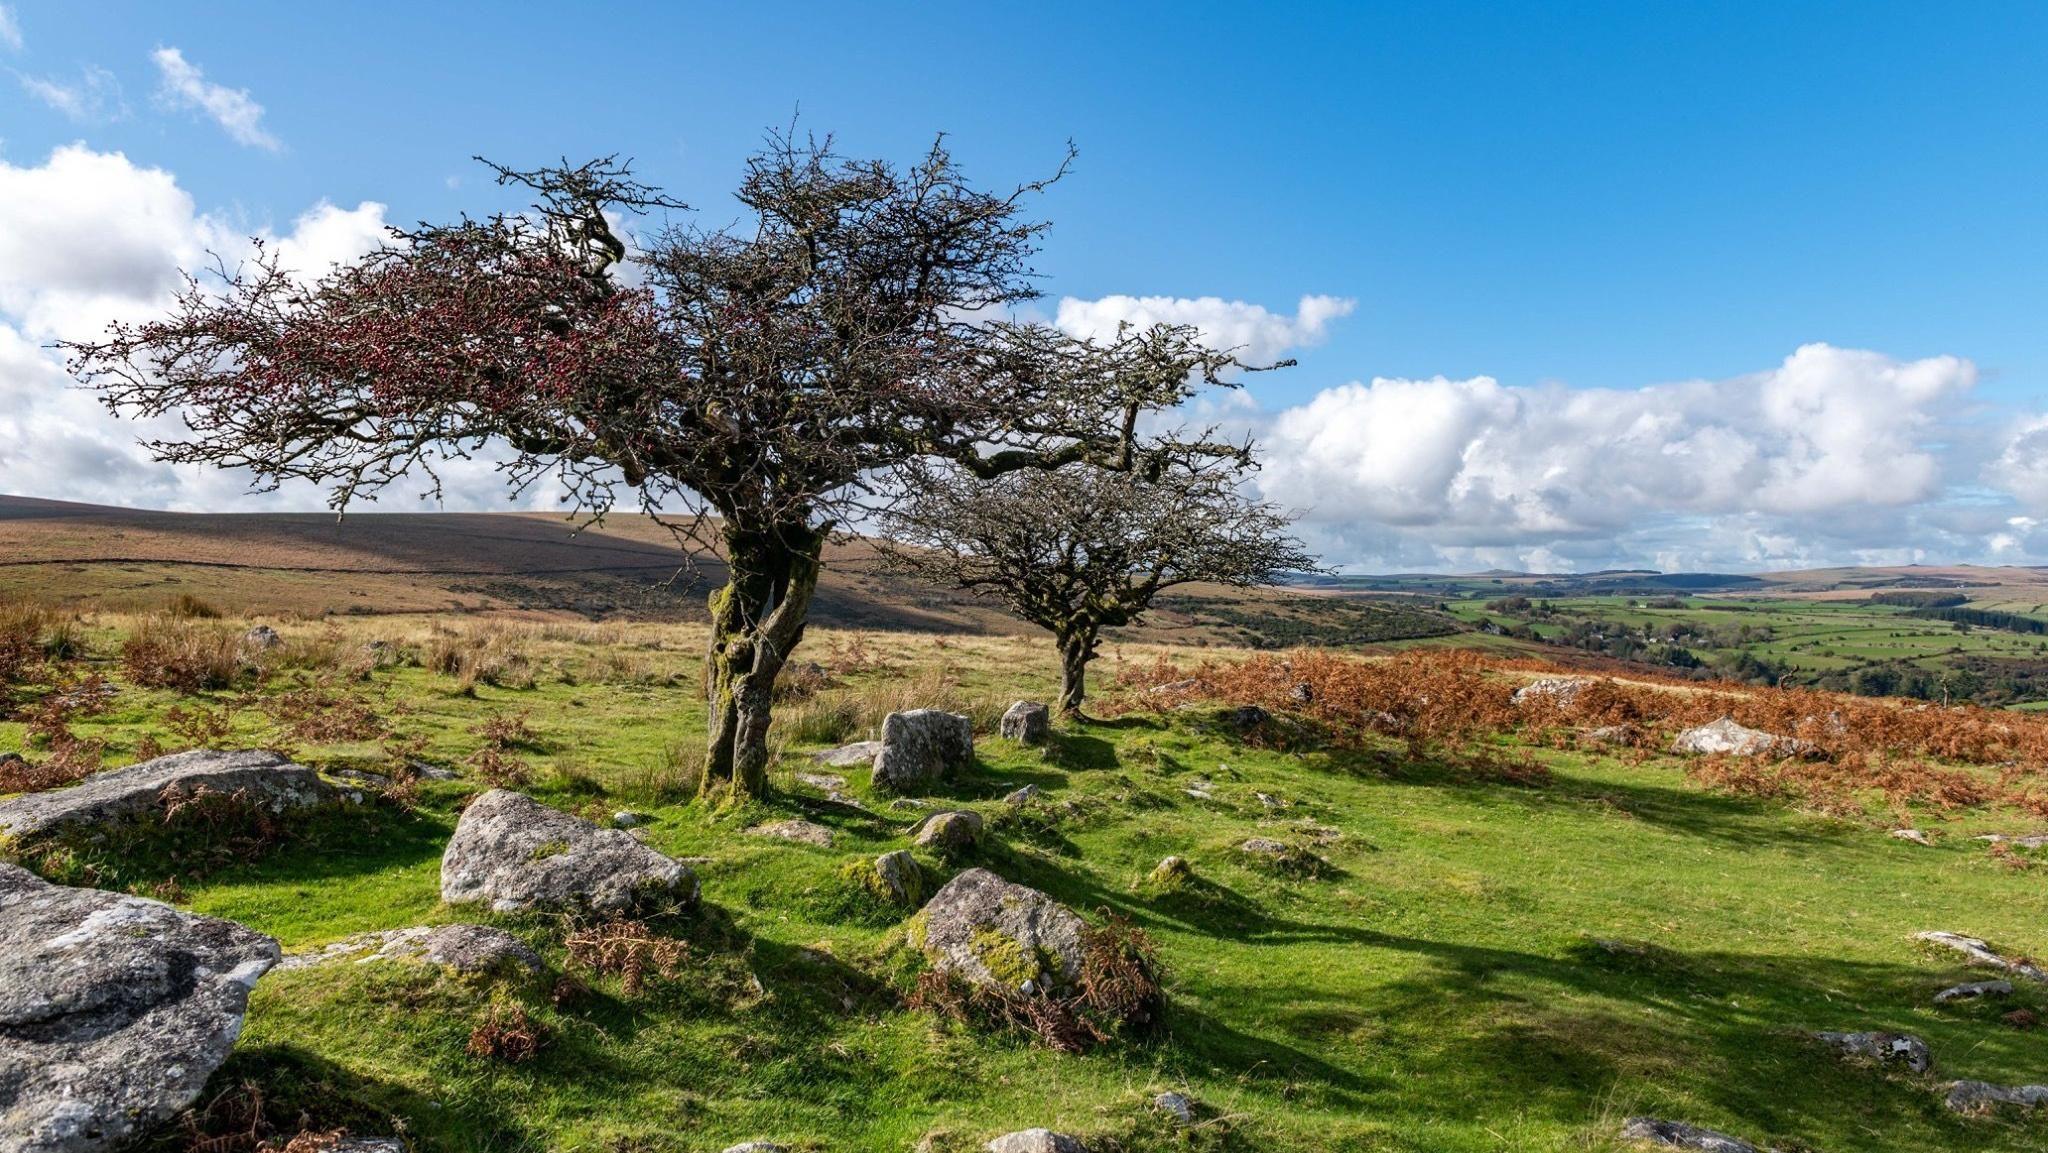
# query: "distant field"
[[1808, 638]]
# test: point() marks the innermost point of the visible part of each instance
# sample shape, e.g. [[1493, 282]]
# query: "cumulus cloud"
[[1813, 460], [89, 237], [184, 85], [2021, 466], [1258, 335], [94, 97]]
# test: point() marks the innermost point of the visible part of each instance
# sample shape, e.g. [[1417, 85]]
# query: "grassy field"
[[1809, 635], [1437, 984]]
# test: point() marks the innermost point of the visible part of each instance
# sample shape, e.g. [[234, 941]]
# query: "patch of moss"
[[1006, 958]]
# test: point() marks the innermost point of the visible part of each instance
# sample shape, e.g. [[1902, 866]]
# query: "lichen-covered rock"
[[1883, 1048], [1611, 735], [1171, 871], [1247, 718], [262, 638], [142, 792], [1978, 1097], [114, 1010], [1022, 795], [1036, 1141], [1027, 722], [1558, 691], [1917, 836], [1725, 737], [1679, 1135], [518, 854], [1000, 935], [900, 876], [922, 746], [1971, 991], [846, 756], [1176, 1105], [2028, 840], [803, 832], [1979, 952], [463, 948], [757, 1147], [951, 832]]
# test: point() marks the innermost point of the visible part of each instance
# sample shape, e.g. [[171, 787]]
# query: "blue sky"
[[1575, 202]]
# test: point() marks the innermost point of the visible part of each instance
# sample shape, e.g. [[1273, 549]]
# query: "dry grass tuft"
[[492, 654], [188, 656], [1119, 995], [628, 950], [508, 1033]]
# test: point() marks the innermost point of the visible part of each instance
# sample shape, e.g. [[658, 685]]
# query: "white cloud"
[[186, 86], [1258, 335], [88, 237], [1835, 453], [10, 30], [2022, 465], [95, 97]]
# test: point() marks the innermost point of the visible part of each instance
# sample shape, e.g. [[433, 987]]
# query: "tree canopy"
[[1080, 549], [760, 382]]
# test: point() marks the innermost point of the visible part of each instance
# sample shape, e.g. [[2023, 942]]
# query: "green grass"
[[1437, 988], [1810, 635]]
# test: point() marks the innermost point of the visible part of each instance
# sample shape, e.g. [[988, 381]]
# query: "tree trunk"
[[1076, 650], [756, 621]]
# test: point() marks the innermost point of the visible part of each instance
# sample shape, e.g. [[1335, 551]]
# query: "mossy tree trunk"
[[1077, 648], [757, 619]]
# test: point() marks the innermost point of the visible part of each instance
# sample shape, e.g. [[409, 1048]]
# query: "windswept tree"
[[1081, 549], [757, 383]]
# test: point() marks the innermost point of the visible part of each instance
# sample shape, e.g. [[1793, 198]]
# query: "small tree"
[[765, 378], [1081, 549]]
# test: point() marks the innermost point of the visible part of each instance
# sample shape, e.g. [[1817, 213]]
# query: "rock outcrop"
[[1902, 1049], [1973, 990], [922, 746], [517, 854], [900, 876], [1000, 935], [1984, 1097], [1557, 691], [950, 833], [114, 1010], [1727, 738], [1981, 953], [1036, 1141], [1679, 1135], [142, 792], [1027, 722], [803, 832], [463, 948], [846, 756]]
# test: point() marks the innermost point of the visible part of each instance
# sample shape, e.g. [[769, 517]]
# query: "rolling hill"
[[92, 557]]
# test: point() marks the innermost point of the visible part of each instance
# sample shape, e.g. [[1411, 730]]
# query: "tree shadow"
[[348, 840], [1739, 821], [277, 1090]]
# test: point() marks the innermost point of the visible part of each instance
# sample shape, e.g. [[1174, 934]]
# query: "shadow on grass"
[[341, 841], [1740, 821], [275, 1091]]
